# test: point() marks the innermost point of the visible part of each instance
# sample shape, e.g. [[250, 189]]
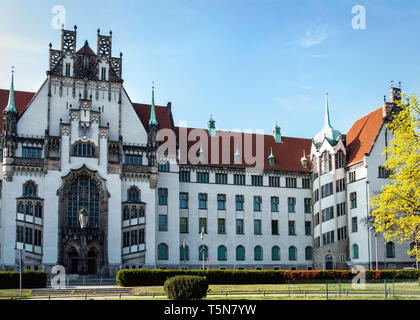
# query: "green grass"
[[8, 293]]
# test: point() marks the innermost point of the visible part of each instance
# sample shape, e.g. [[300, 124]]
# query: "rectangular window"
[[274, 227], [328, 238], [163, 167], [31, 152], [20, 234], [141, 236], [290, 182], [340, 160], [183, 200], [126, 239], [103, 74], [239, 202], [308, 228], [316, 195], [291, 202], [28, 235], [163, 222], [221, 202], [221, 226], [317, 219], [274, 181], [184, 176], [340, 185], [202, 225], [202, 177], [308, 207], [257, 226], [342, 233], [327, 190], [383, 172], [292, 230], [68, 69], [221, 178], [183, 225], [257, 203], [257, 180], [306, 183], [274, 204], [163, 197], [327, 214], [352, 176], [354, 224], [353, 200], [202, 201], [132, 159], [341, 209], [239, 179], [239, 226], [133, 237]]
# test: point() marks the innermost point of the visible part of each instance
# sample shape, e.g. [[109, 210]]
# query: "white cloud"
[[14, 42], [315, 35]]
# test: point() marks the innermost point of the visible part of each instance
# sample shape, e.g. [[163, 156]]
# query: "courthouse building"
[[82, 184]]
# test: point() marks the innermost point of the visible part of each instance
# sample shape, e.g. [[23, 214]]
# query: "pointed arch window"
[[38, 210], [390, 250], [162, 251], [258, 253], [133, 194], [275, 253], [221, 253], [184, 253], [203, 252], [82, 149], [292, 253], [29, 190], [83, 193], [308, 253], [240, 253]]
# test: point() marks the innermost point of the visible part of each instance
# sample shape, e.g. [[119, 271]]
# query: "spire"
[[277, 133], [211, 126], [327, 122], [11, 105], [153, 121]]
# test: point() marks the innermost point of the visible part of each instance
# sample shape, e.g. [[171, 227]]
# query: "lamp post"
[[83, 220], [202, 246]]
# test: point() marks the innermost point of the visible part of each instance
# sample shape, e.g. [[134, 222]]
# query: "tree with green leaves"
[[396, 210]]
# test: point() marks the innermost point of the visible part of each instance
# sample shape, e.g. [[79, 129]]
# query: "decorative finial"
[[399, 84], [99, 31], [392, 83], [384, 98]]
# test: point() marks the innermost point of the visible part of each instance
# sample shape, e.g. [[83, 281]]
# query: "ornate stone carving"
[[104, 133], [65, 130]]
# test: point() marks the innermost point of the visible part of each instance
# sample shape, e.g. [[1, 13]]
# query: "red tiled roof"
[[162, 115], [362, 135], [287, 154], [22, 100]]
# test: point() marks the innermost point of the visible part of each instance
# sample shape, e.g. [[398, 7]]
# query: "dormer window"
[[271, 159], [84, 150]]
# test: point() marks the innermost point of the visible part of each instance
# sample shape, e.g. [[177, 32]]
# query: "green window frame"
[[183, 225], [355, 251], [200, 252], [257, 227], [240, 253], [221, 253], [162, 251], [308, 253], [275, 253], [163, 222], [221, 226], [258, 253], [184, 253], [292, 253], [202, 223]]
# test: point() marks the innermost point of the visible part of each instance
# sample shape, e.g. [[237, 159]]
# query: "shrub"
[[186, 287], [30, 279], [151, 277]]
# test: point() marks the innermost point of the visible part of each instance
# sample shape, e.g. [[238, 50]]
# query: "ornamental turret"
[[327, 132], [211, 126]]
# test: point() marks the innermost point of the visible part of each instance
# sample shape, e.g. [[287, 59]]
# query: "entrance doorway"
[[74, 261], [92, 261], [329, 265]]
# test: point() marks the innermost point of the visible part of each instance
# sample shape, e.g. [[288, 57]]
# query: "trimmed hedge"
[[157, 277], [30, 279], [186, 287]]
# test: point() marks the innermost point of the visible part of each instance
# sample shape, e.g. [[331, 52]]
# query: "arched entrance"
[[83, 222], [92, 263], [74, 260]]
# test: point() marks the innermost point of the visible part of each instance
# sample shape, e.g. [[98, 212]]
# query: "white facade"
[[81, 150]]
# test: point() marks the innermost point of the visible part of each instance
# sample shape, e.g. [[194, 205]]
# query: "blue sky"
[[249, 62]]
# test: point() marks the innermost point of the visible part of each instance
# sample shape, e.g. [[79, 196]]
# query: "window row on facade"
[[239, 226], [222, 253]]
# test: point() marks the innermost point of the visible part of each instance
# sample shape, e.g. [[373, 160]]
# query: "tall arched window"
[[308, 253], [390, 250], [141, 212], [162, 251], [275, 253], [29, 208], [126, 213], [292, 253], [21, 208], [355, 251], [184, 253], [203, 251], [133, 194], [83, 194], [38, 210], [221, 253], [133, 212], [240, 253], [258, 253]]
